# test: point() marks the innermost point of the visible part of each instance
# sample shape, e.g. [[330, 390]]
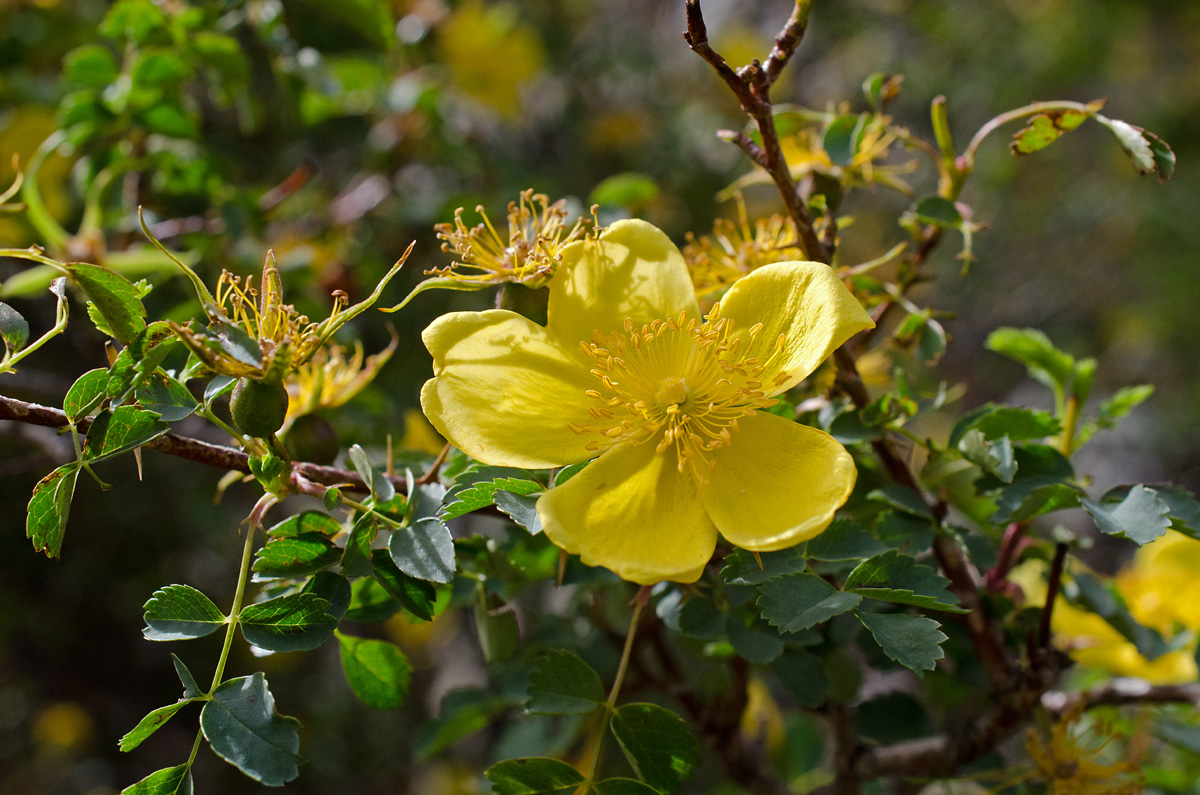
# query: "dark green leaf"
[[798, 601], [190, 688], [843, 540], [219, 385], [521, 509], [628, 190], [243, 728], [939, 212], [169, 119], [995, 457], [568, 472], [623, 786], [533, 776], [1106, 602], [912, 641], [298, 622], [1184, 735], [1185, 510], [88, 391], [333, 588], [561, 683], [381, 488], [369, 602], [904, 531], [1141, 516], [356, 558], [377, 671], [425, 498], [893, 577], [1018, 424], [902, 499], [120, 431], [424, 550], [657, 743], [49, 507], [295, 556], [151, 723], [14, 330], [462, 712], [166, 397], [180, 612], [115, 298], [1031, 497], [495, 626], [842, 138], [700, 618], [741, 567], [416, 596], [753, 644], [1032, 348], [803, 675], [170, 781], [479, 495]]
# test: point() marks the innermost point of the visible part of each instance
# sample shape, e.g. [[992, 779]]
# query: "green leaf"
[[479, 495], [91, 65], [902, 499], [369, 602], [912, 641], [533, 776], [14, 329], [88, 392], [115, 298], [1105, 601], [180, 612], [462, 712], [219, 385], [416, 596], [995, 457], [623, 786], [49, 507], [306, 523], [753, 644], [151, 723], [1148, 153], [1018, 424], [1125, 400], [295, 556], [243, 728], [1046, 128], [1141, 516], [842, 138], [798, 601], [629, 190], [121, 430], [169, 781], [297, 622], [381, 488], [521, 509], [893, 577], [1031, 497], [424, 550], [803, 675], [333, 588], [657, 743], [1045, 363], [1185, 510], [166, 397], [356, 558], [700, 618], [742, 568], [561, 683], [843, 540], [939, 212], [879, 88], [190, 688], [377, 671]]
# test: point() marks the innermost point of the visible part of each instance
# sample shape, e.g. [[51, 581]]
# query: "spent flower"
[[735, 248], [668, 403]]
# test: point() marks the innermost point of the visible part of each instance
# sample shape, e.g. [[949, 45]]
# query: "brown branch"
[[1122, 692], [787, 41], [186, 447], [1052, 585]]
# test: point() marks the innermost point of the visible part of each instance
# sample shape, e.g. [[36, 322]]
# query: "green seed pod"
[[311, 438], [258, 407]]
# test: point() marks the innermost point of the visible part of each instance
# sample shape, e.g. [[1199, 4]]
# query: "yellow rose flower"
[[627, 370]]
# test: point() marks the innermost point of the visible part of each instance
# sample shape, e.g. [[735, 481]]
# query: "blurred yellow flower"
[[489, 54], [330, 378], [626, 369], [1070, 760], [735, 248]]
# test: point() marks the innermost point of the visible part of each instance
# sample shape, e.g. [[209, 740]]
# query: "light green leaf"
[[115, 298], [424, 550], [657, 743], [902, 499], [1141, 516], [151, 723], [243, 728], [180, 612], [561, 683], [893, 577], [356, 558], [120, 431], [190, 688], [297, 622], [377, 671], [1046, 128], [305, 523], [88, 392], [295, 556], [533, 776], [169, 781], [798, 601], [49, 507], [480, 495], [14, 329], [628, 190], [939, 212], [994, 457], [1032, 348], [1018, 424], [90, 65], [912, 641]]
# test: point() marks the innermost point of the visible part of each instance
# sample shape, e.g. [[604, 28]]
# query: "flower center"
[[679, 383]]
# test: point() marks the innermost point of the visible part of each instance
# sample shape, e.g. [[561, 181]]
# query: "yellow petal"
[[778, 484], [805, 305], [632, 510], [632, 271], [505, 390]]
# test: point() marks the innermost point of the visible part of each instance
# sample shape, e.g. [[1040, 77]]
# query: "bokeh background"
[[336, 133]]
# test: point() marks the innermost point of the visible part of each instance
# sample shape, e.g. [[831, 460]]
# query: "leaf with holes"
[[49, 507], [657, 743], [533, 776]]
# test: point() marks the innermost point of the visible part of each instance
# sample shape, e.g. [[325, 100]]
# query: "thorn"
[[137, 456], [757, 559], [563, 557]]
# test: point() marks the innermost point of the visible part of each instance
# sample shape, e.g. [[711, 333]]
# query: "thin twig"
[[1056, 571], [1122, 692]]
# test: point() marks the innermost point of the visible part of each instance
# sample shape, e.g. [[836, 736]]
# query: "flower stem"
[[639, 606]]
